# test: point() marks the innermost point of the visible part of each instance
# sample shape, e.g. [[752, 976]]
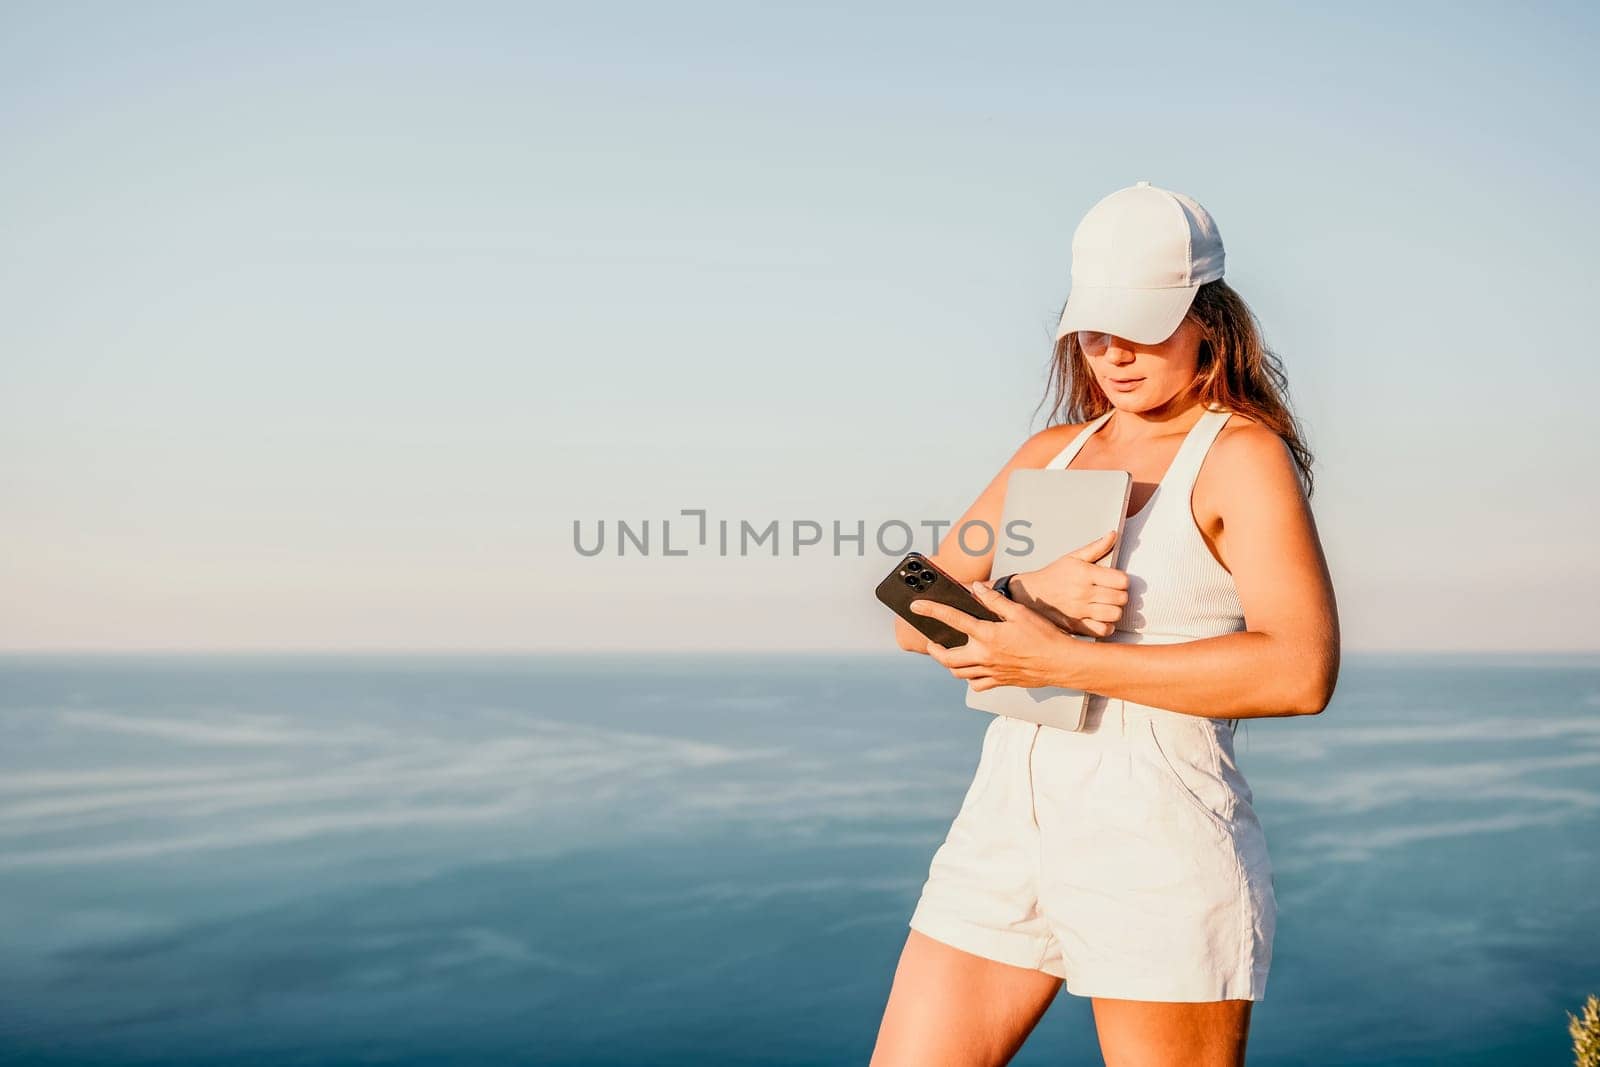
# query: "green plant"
[[1585, 1033]]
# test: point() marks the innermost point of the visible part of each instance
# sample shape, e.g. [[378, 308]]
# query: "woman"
[[1125, 858]]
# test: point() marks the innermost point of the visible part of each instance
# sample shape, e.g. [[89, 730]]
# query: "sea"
[[626, 859]]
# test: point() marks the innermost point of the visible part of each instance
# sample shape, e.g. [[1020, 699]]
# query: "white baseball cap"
[[1138, 257]]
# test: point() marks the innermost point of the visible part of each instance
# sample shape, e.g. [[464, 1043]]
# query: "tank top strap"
[[1185, 468], [1064, 457]]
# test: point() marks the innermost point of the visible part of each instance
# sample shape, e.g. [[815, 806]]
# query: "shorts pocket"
[[1174, 771]]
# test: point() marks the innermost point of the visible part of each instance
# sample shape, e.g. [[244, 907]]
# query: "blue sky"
[[323, 324]]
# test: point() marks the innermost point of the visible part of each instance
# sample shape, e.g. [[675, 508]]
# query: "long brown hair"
[[1236, 371]]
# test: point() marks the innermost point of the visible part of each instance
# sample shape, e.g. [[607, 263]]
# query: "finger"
[[1096, 548], [1109, 578], [971, 673], [1068, 624], [980, 685], [1109, 595], [1002, 606], [971, 654], [1059, 619], [951, 617]]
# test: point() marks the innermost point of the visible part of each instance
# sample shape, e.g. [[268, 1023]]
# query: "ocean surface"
[[327, 859]]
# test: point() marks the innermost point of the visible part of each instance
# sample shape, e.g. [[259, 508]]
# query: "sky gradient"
[[323, 324]]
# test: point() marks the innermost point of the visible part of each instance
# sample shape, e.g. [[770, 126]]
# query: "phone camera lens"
[[913, 566], [911, 580]]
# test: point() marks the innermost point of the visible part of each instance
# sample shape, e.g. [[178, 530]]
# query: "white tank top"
[[1177, 591]]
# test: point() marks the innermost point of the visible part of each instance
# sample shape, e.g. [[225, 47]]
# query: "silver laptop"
[[1048, 513]]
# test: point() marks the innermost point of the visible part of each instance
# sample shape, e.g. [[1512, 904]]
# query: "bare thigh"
[[1140, 1033], [949, 1008]]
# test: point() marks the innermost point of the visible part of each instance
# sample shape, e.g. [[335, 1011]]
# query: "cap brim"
[[1147, 316]]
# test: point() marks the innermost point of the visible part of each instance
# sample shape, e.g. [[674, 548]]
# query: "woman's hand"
[[1024, 648], [1074, 592]]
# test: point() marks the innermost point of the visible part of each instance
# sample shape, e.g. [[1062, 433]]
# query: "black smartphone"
[[916, 578]]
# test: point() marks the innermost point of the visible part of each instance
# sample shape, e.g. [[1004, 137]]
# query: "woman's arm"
[[1036, 451], [1285, 663], [1287, 659]]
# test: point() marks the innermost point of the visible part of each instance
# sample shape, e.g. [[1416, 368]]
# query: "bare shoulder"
[[1043, 446], [1248, 466], [1246, 447]]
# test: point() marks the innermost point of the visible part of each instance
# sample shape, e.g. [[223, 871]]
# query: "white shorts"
[[1125, 858]]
